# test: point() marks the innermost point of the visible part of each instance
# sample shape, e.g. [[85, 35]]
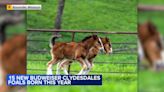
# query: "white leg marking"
[[58, 68], [111, 50], [81, 72], [89, 66], [65, 66], [49, 70], [65, 70], [83, 68], [1, 71], [102, 46]]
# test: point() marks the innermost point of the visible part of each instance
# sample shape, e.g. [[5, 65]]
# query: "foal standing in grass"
[[72, 51], [105, 46]]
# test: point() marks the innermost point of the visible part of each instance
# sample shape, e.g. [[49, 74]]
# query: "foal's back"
[[71, 50]]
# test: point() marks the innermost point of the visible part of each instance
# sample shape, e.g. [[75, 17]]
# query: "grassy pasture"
[[113, 15]]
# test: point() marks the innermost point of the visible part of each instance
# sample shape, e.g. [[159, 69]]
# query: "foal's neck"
[[88, 44]]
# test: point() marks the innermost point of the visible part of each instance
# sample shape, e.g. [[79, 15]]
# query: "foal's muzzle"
[[111, 51], [101, 50]]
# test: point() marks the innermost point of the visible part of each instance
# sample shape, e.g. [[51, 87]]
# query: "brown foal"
[[104, 46], [72, 51], [12, 60], [150, 45]]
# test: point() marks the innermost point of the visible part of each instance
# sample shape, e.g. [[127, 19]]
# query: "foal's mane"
[[86, 38], [152, 28]]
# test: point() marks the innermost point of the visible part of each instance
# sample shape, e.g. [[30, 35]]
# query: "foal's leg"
[[88, 67], [84, 66], [1, 75], [65, 70], [58, 68], [64, 64], [90, 64], [50, 65], [49, 68]]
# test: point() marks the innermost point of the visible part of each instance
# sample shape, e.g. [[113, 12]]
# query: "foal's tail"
[[52, 41]]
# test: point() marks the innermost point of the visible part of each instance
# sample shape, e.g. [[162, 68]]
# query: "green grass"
[[150, 81], [123, 86], [111, 82], [32, 64], [106, 15], [84, 14]]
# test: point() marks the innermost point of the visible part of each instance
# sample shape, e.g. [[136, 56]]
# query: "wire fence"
[[132, 51]]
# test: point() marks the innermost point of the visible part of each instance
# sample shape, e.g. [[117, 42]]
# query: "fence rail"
[[131, 43], [150, 8], [45, 51], [78, 31]]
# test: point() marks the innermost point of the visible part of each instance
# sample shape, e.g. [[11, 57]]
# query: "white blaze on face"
[[111, 50], [102, 46], [49, 70]]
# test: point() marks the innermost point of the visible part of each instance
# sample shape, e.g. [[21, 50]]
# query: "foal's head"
[[105, 45], [147, 30]]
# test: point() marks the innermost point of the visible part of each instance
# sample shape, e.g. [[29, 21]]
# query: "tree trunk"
[[58, 20]]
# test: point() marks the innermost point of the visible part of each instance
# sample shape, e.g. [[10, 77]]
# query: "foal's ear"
[[152, 27], [107, 39], [95, 37]]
